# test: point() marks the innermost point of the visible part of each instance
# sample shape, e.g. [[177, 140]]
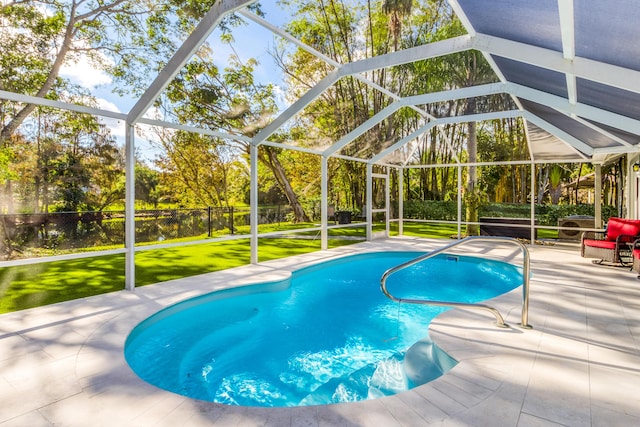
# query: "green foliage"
[[6, 157], [431, 209], [71, 178], [547, 214]]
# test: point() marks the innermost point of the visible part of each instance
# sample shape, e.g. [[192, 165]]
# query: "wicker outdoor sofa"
[[615, 244]]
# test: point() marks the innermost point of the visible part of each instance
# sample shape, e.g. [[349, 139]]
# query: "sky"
[[250, 41]]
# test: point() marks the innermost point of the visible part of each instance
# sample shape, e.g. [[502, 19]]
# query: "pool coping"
[[63, 364]]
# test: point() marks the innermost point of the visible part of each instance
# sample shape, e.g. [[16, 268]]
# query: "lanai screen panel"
[[545, 146], [608, 31], [609, 98], [532, 22], [628, 137], [380, 137], [528, 75], [573, 127]]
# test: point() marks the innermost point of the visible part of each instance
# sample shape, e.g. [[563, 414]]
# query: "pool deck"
[[63, 364]]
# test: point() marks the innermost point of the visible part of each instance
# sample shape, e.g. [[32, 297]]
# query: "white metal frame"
[[565, 62]]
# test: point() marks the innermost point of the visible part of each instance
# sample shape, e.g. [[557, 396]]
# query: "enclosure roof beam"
[[28, 99], [279, 32], [589, 69], [83, 109], [445, 120], [263, 22], [360, 130], [292, 147], [404, 141], [296, 107], [405, 56], [199, 35], [567, 32], [448, 95], [194, 129], [586, 111], [498, 163], [419, 99]]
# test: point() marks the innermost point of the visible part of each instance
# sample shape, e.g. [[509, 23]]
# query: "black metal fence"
[[46, 232]]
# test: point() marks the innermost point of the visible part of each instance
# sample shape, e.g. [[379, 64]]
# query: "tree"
[[147, 182], [195, 168], [396, 10], [348, 30], [55, 33], [555, 183], [129, 39], [469, 69], [231, 101]]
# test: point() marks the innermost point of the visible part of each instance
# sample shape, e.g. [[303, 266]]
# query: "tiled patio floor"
[[63, 365]]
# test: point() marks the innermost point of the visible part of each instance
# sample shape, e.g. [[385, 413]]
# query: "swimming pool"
[[326, 335]]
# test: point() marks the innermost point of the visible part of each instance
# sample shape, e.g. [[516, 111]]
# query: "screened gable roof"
[[571, 67], [587, 55]]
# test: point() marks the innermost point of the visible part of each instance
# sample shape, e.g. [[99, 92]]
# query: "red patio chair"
[[614, 246]]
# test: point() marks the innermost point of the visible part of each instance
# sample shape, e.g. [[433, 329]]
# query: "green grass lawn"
[[445, 231], [35, 285]]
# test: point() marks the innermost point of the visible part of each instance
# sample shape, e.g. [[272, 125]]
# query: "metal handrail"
[[496, 313]]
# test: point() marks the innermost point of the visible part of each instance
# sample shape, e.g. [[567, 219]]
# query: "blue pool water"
[[325, 335]]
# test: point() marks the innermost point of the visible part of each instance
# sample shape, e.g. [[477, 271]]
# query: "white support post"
[[459, 201], [369, 204], [633, 189], [387, 204], [598, 196], [400, 201], [636, 201], [324, 211], [130, 208], [533, 203], [253, 205], [629, 190]]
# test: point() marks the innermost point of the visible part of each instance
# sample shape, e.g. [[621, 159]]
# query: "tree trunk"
[[543, 178], [578, 181], [19, 118], [281, 178]]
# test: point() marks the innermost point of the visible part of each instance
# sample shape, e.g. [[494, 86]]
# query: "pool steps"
[[424, 361]]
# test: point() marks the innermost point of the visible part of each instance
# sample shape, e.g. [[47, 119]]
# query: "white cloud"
[[104, 104], [85, 74], [116, 126]]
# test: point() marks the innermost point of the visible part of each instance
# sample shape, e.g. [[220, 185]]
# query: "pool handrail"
[[499, 319]]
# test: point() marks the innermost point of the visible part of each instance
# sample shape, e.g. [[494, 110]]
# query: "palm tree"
[[396, 10]]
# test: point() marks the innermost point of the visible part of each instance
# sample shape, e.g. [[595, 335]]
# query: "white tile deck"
[[63, 364]]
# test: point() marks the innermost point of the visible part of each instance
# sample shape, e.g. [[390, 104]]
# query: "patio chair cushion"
[[604, 244], [619, 226]]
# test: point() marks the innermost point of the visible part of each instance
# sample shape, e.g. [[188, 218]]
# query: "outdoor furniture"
[[635, 257], [613, 246], [508, 227]]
